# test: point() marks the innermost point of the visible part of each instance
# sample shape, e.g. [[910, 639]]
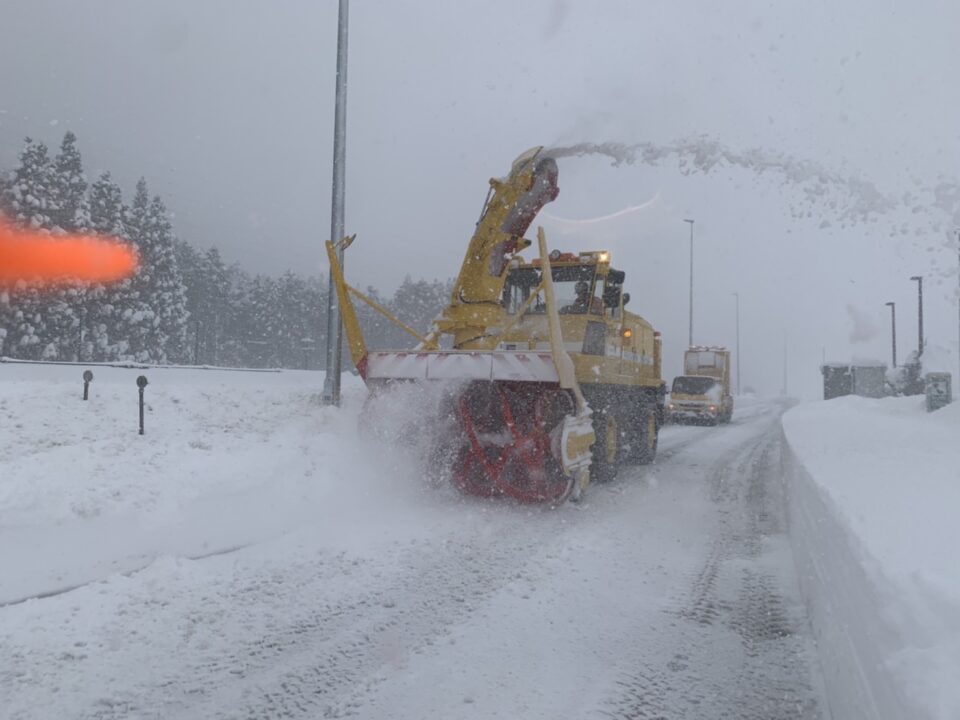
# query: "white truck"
[[702, 394]]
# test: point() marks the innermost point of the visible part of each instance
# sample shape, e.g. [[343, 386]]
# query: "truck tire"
[[648, 437], [606, 448]]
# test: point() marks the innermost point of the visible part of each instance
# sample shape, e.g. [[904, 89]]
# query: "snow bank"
[[874, 492], [228, 459]]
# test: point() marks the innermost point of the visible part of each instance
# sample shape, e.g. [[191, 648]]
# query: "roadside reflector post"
[[87, 379], [141, 384]]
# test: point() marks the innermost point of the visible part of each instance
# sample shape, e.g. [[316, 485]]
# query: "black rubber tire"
[[647, 447], [602, 468]]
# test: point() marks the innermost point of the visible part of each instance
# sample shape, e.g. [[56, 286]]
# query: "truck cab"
[[702, 393]]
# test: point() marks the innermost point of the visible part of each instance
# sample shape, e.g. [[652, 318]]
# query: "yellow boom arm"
[[512, 204]]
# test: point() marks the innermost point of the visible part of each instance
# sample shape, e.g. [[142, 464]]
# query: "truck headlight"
[[713, 408], [670, 406]]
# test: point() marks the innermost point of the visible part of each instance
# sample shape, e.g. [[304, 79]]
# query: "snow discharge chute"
[[39, 258]]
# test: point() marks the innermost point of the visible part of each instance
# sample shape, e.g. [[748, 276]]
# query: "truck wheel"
[[648, 438], [606, 448]]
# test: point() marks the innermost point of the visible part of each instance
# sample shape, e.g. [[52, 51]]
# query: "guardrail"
[[138, 366]]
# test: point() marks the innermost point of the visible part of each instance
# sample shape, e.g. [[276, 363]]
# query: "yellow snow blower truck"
[[549, 380], [702, 394]]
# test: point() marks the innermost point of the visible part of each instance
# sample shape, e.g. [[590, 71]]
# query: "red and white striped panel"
[[461, 365]]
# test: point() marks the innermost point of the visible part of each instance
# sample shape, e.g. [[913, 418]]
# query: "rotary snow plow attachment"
[[511, 423], [519, 352], [517, 423]]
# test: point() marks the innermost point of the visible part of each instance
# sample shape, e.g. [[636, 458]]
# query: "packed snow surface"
[[254, 556], [875, 495]]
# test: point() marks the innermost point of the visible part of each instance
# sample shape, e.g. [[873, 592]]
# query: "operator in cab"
[[583, 303]]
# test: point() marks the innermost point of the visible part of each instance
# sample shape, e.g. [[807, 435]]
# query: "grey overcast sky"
[[227, 108]]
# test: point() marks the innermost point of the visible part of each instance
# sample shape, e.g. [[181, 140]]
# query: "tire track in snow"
[[736, 644], [323, 661]]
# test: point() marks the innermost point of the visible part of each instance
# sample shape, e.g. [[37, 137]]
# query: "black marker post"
[[87, 379], [141, 383]]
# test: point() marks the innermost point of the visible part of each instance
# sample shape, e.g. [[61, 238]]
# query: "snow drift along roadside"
[[874, 488], [228, 459]]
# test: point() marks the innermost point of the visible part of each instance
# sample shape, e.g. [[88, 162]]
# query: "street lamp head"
[[890, 304], [689, 221], [917, 277]]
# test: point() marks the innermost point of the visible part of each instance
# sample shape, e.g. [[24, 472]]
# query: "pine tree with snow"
[[231, 349], [208, 302], [30, 191], [106, 207], [417, 303], [67, 308], [158, 281], [190, 262], [113, 324], [28, 203], [292, 325], [168, 297], [147, 342], [139, 321], [216, 304], [261, 326], [68, 200]]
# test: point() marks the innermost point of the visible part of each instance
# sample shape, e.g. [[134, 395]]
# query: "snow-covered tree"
[[158, 282], [207, 291], [417, 303], [28, 202], [68, 200], [261, 324], [109, 327], [30, 191], [168, 297]]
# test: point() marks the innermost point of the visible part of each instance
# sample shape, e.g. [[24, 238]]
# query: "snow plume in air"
[[927, 210], [862, 327], [44, 259], [849, 199]]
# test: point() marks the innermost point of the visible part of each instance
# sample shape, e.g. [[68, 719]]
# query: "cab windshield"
[[693, 385], [575, 290]]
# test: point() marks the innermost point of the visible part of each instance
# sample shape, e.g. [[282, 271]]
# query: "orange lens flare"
[[37, 258]]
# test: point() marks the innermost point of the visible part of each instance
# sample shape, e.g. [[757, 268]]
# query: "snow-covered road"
[[667, 594]]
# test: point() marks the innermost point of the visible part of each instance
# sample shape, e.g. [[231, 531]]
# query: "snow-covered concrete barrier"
[[874, 500]]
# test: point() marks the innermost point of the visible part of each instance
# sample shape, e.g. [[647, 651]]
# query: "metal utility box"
[[937, 389], [870, 380], [837, 380], [866, 380]]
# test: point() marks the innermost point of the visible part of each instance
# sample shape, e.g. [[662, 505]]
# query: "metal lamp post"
[[331, 382], [690, 340], [893, 330], [737, 296], [919, 280]]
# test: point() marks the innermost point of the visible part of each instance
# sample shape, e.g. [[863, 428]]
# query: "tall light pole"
[[331, 382], [690, 340], [893, 330], [784, 391], [919, 280], [737, 296]]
